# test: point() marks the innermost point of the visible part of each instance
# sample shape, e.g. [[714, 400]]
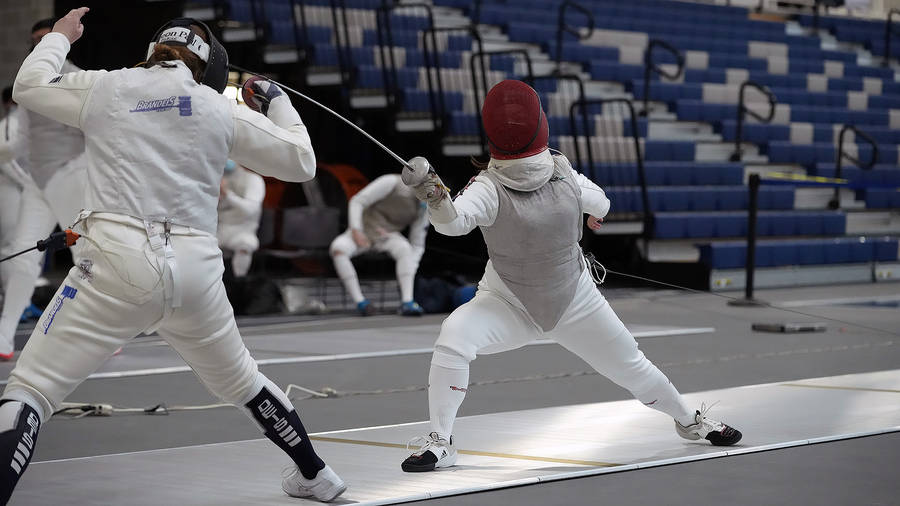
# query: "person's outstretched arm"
[[475, 206], [41, 88]]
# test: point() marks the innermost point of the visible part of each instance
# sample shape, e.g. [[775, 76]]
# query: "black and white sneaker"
[[436, 452], [715, 432]]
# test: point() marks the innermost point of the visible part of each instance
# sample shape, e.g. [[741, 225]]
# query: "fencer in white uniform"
[[529, 205], [13, 177], [240, 207], [376, 216], [157, 141], [54, 196]]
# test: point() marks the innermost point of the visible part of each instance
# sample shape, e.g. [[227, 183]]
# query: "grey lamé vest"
[[533, 243], [51, 144], [392, 213]]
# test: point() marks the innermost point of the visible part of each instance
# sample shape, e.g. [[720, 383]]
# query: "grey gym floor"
[[859, 471]]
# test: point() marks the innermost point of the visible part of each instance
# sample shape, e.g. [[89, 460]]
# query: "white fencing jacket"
[[13, 149], [156, 141]]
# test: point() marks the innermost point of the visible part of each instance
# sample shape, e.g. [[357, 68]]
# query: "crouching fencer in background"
[[529, 204], [53, 196], [240, 206], [158, 138], [376, 215]]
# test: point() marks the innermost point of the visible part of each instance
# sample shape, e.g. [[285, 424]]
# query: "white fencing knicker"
[[132, 277]]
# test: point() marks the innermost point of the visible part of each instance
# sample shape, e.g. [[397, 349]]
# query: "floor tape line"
[[837, 387], [627, 467], [591, 463], [360, 355]]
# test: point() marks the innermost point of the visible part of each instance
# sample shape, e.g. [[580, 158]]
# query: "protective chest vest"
[[533, 244], [392, 213]]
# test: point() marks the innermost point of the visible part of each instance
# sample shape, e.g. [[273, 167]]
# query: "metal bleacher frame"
[[583, 105], [835, 202], [743, 110]]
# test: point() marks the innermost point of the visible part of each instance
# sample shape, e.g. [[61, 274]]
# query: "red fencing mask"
[[514, 122]]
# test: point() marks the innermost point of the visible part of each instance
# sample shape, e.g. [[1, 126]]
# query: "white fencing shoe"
[[715, 432], [436, 452], [326, 486]]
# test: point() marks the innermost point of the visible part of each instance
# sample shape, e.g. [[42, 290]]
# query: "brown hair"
[[165, 52]]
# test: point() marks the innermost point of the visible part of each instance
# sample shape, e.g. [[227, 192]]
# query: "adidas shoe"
[[436, 452], [715, 432], [326, 486], [365, 308], [411, 308]]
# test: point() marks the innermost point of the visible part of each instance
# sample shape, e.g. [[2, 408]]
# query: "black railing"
[[651, 66], [835, 202], [815, 8], [743, 110], [562, 27], [750, 260], [478, 92], [384, 33], [433, 67], [342, 40], [583, 106], [888, 36]]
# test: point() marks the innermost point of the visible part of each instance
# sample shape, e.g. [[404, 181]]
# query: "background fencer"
[[158, 138], [529, 204], [56, 163], [241, 198], [13, 177], [376, 216]]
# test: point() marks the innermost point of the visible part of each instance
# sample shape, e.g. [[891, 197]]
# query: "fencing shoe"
[[411, 308], [365, 308], [715, 432], [436, 452], [31, 312], [326, 486]]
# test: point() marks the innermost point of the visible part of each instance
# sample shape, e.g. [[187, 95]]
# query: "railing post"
[[816, 16], [635, 135], [742, 110], [835, 202], [651, 66], [562, 27], [887, 37], [750, 266]]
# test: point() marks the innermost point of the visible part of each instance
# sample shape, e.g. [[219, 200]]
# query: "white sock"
[[406, 274], [446, 391], [240, 263], [664, 397], [347, 273], [19, 287]]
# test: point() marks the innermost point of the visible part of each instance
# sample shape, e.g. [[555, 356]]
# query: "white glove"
[[429, 188]]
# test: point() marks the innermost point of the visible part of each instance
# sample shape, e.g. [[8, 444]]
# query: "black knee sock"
[[282, 425], [19, 425]]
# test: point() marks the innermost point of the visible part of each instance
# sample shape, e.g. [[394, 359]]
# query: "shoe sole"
[[340, 490]]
